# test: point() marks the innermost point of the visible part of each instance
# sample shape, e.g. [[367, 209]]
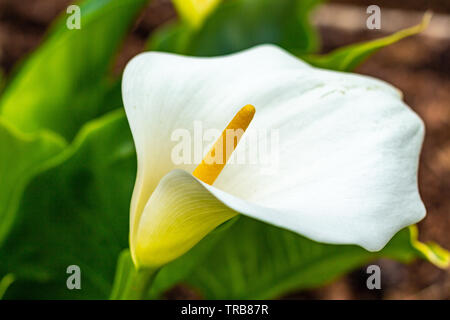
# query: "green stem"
[[138, 285], [130, 283]]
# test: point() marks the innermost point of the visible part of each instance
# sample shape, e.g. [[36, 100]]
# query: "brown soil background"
[[418, 66]]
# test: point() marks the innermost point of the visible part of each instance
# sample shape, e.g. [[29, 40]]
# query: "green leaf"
[[349, 57], [429, 251], [181, 268], [253, 260], [239, 24], [75, 213], [173, 37], [22, 157], [63, 84]]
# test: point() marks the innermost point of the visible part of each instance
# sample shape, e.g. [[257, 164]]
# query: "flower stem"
[[130, 283], [138, 285]]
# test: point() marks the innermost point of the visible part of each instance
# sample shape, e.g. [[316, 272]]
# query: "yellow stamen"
[[208, 170]]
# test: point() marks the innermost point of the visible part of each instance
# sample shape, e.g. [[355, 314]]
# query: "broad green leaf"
[[63, 84], [181, 268], [75, 213], [22, 157], [349, 57], [194, 12], [173, 37], [236, 25], [253, 260]]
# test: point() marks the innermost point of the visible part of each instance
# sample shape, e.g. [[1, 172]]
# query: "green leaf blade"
[[349, 57], [78, 211], [23, 156], [253, 260], [62, 85]]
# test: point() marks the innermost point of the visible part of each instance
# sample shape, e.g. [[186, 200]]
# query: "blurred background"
[[419, 66]]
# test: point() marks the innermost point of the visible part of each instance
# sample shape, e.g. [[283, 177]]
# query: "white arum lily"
[[348, 151]]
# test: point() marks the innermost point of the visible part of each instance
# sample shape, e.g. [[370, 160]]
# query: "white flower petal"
[[348, 148]]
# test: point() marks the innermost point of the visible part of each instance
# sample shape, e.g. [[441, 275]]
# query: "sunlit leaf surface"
[[63, 84]]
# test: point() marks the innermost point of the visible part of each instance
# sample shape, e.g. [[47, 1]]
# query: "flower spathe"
[[348, 151]]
